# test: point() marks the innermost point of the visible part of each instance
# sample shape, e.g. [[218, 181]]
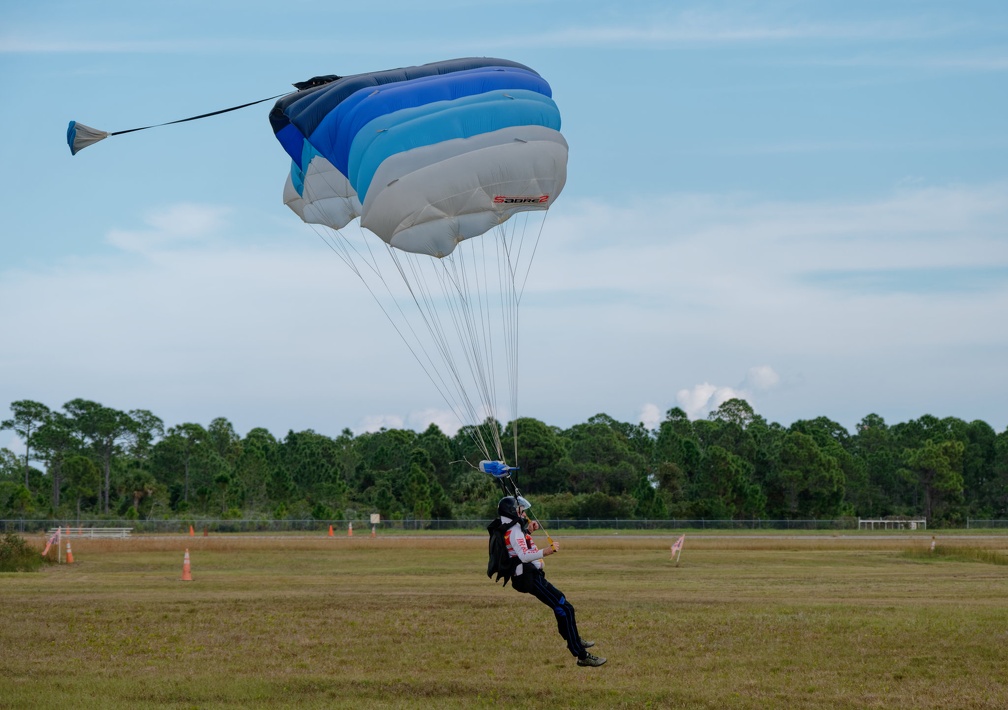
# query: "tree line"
[[95, 461]]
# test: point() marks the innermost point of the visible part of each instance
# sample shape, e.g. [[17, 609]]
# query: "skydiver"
[[528, 576]]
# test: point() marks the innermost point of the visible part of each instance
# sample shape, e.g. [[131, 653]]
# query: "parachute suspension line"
[[453, 390], [508, 326], [337, 246], [354, 257], [465, 283], [513, 262], [341, 244], [453, 285], [511, 245], [464, 307], [420, 293], [482, 338], [535, 248], [509, 312], [362, 260], [475, 335], [419, 286], [462, 330]]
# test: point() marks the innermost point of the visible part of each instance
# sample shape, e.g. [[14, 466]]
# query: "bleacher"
[[892, 523]]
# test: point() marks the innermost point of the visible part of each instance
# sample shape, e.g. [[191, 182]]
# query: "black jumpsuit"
[[529, 578]]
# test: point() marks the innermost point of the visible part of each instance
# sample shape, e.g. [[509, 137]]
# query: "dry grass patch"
[[413, 622]]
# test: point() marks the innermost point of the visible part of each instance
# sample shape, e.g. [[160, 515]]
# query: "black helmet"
[[509, 505]]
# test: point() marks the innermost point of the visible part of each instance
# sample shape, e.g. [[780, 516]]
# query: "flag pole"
[[677, 547]]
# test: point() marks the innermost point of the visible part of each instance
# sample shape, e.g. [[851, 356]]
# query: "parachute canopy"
[[426, 156], [429, 158]]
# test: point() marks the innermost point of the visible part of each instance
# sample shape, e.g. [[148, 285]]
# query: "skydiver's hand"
[[534, 525]]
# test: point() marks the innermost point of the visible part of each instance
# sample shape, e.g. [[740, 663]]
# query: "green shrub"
[[16, 555], [321, 511]]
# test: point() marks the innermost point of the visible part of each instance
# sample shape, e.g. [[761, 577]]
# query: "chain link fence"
[[363, 525]]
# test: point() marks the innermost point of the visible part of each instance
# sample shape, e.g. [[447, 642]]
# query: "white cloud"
[[417, 421], [966, 60], [677, 28], [761, 377], [651, 416], [700, 400], [377, 422], [703, 399], [172, 227], [57, 44], [445, 420]]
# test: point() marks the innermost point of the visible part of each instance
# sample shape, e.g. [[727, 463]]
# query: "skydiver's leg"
[[562, 609]]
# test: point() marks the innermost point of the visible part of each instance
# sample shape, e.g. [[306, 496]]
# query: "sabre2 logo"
[[521, 200]]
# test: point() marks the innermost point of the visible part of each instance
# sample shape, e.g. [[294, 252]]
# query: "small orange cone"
[[372, 531], [330, 531], [69, 553], [349, 530], [192, 532], [186, 571]]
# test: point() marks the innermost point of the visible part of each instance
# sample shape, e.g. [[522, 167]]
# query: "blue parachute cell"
[[337, 130], [426, 125], [305, 109]]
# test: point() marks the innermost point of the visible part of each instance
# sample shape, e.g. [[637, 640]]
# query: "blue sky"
[[801, 203]]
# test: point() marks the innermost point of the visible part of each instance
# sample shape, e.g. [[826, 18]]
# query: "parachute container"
[[496, 468]]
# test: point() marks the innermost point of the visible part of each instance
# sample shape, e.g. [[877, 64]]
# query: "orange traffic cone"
[[69, 553], [349, 530], [330, 531], [372, 531], [186, 571], [192, 532]]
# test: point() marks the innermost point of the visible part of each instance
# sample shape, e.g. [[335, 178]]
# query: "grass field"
[[773, 621]]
